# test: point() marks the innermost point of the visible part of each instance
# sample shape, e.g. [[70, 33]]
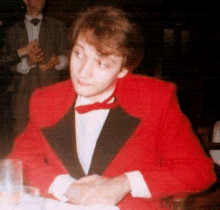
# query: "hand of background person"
[[31, 46], [100, 190], [36, 54], [54, 60], [26, 50]]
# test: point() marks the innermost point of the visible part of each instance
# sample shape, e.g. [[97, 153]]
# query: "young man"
[[40, 67], [107, 136]]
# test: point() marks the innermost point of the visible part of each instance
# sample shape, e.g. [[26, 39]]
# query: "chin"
[[85, 94]]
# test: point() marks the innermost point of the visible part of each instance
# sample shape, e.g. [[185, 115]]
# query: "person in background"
[[15, 57], [107, 136], [40, 67]]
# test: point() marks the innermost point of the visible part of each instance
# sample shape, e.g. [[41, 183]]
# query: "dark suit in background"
[[52, 38]]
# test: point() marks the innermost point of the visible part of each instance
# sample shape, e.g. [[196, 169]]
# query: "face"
[[92, 74], [34, 6]]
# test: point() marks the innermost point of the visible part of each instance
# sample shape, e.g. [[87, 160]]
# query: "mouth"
[[83, 83]]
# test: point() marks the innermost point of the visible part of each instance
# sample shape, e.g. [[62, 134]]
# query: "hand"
[[102, 191], [54, 60], [79, 187], [32, 45], [36, 54], [26, 50]]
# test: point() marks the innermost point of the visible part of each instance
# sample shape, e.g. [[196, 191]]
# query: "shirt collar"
[[29, 18]]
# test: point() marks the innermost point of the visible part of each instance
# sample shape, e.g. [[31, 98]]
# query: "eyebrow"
[[78, 45], [100, 56], [110, 59]]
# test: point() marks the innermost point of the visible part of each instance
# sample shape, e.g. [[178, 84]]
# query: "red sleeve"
[[40, 163], [184, 166], [166, 151], [39, 166]]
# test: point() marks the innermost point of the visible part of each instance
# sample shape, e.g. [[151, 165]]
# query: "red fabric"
[[163, 147]]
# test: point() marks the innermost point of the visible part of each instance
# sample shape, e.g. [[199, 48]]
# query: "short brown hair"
[[110, 31]]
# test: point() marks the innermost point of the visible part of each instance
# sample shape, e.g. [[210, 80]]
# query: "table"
[[30, 202]]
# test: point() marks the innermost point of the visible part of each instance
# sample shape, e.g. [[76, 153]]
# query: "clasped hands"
[[36, 55], [96, 189]]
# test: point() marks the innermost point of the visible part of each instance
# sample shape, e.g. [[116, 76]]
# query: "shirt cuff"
[[60, 185], [63, 62], [139, 187], [23, 66]]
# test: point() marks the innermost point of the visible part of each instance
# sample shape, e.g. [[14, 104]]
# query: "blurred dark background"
[[182, 46]]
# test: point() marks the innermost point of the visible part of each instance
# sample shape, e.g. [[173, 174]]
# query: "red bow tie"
[[104, 105]]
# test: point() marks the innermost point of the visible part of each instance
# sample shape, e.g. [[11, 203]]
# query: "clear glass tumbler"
[[11, 181]]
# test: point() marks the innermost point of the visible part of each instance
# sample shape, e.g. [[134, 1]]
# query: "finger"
[[40, 54], [92, 199], [36, 47], [89, 201], [90, 178], [98, 199], [85, 199], [72, 200], [39, 57], [50, 63], [43, 67], [39, 60], [36, 50], [75, 191]]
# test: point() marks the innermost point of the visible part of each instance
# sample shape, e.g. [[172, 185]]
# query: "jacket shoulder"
[[50, 102], [142, 85], [14, 26], [137, 92]]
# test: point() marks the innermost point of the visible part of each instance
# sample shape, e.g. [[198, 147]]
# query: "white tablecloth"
[[38, 203]]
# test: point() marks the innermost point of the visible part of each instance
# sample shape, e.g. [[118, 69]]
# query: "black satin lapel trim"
[[62, 139], [118, 127]]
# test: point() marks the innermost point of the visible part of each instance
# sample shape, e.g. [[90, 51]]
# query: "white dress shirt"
[[33, 34], [88, 128]]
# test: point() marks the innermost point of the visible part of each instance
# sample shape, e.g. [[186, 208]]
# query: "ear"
[[122, 73]]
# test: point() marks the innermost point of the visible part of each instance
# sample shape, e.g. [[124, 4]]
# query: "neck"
[[103, 96], [33, 13]]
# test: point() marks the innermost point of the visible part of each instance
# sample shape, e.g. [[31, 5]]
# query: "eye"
[[103, 64], [78, 54]]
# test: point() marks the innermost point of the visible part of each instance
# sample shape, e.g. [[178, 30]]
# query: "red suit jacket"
[[160, 144]]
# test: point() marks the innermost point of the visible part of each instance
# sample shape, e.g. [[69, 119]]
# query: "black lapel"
[[44, 30], [46, 38], [62, 139], [118, 127], [23, 36]]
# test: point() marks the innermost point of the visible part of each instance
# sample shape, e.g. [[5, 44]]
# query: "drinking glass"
[[11, 181]]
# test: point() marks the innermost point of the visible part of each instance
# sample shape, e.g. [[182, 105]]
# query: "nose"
[[86, 69]]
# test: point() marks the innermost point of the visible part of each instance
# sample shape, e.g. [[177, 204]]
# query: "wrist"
[[125, 182], [22, 52], [30, 62]]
